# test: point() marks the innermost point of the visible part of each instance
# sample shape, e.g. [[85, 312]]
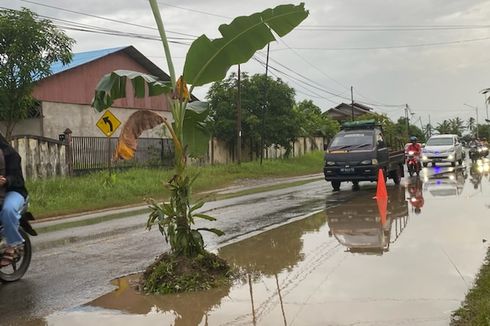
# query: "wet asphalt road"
[[73, 274], [65, 277]]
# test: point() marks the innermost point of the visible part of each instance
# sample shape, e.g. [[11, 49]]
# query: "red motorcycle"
[[413, 163]]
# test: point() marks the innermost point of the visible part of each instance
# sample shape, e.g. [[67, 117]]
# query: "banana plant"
[[206, 61]]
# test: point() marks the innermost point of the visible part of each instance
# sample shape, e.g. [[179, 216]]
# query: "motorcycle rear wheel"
[[15, 271]]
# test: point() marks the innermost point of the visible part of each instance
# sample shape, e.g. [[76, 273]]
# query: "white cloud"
[[433, 80]]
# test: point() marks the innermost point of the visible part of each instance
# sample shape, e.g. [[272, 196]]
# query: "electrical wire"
[[420, 45], [389, 28], [194, 10], [101, 17]]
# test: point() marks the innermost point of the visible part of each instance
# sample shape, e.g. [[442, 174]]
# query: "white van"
[[442, 149]]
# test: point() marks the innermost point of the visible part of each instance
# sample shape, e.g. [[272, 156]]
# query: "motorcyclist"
[[414, 146], [15, 196], [474, 142], [416, 196]]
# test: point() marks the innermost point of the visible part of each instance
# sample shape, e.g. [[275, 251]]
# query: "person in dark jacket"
[[15, 198]]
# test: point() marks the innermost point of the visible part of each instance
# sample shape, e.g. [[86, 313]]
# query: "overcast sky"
[[434, 69]]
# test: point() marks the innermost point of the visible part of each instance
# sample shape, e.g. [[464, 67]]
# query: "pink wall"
[[77, 85]]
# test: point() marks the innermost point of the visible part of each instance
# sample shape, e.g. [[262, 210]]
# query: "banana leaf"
[[196, 133], [209, 60], [113, 86]]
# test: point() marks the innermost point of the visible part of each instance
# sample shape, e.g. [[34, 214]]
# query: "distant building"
[[344, 111], [65, 96]]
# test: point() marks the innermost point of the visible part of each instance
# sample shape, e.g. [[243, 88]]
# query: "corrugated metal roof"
[[82, 58]]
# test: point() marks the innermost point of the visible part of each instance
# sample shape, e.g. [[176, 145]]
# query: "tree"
[[312, 122], [268, 115], [206, 61], [484, 131], [471, 125], [444, 127], [28, 47], [456, 126]]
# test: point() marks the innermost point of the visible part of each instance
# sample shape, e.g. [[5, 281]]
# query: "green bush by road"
[[475, 310], [97, 191]]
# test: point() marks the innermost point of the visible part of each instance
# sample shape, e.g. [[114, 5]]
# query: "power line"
[[80, 27], [389, 28], [391, 47], [194, 10], [298, 84], [116, 33], [331, 78], [101, 17]]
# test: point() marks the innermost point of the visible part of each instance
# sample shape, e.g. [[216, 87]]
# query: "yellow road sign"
[[108, 123]]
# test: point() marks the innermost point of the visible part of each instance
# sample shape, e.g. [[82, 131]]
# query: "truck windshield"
[[353, 140], [440, 142]]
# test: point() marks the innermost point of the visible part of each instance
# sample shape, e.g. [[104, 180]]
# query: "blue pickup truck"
[[358, 151]]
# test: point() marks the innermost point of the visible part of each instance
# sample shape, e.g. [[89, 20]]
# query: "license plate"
[[347, 170]]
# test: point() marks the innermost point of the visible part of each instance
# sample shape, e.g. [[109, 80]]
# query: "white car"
[[442, 149]]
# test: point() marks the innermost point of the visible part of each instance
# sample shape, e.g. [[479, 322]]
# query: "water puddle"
[[410, 261]]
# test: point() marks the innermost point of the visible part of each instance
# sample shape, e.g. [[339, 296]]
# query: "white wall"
[[81, 119]]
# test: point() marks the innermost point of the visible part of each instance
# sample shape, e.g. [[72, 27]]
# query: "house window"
[[34, 112]]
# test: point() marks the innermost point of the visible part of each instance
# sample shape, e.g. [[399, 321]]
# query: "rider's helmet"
[[413, 139]]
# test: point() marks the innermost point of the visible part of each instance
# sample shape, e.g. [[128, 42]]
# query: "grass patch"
[[172, 274], [60, 196], [475, 310]]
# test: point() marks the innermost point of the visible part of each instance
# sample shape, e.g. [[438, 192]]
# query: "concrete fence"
[[44, 157], [41, 157], [220, 153]]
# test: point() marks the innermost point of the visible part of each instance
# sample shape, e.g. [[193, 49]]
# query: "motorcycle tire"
[[15, 271]]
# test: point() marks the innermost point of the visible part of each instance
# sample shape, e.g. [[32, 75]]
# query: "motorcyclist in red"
[[415, 147], [416, 196]]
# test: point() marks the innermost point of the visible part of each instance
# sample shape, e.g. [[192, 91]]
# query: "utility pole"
[[239, 119], [430, 127], [477, 120], [486, 103], [352, 101], [264, 107], [408, 122]]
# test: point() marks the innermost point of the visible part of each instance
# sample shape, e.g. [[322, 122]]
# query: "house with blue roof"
[[65, 96]]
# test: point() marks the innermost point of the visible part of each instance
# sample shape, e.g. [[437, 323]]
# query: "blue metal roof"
[[82, 58]]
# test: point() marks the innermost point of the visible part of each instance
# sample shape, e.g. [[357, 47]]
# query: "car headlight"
[[425, 158], [372, 161], [450, 150], [330, 163], [484, 148], [450, 157], [480, 149]]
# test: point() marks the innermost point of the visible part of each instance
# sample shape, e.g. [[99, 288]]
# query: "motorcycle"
[[413, 163], [19, 267], [477, 152]]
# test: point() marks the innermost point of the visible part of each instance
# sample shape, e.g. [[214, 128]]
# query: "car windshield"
[[353, 140], [447, 141]]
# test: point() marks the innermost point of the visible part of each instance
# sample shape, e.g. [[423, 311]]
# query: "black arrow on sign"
[[108, 121]]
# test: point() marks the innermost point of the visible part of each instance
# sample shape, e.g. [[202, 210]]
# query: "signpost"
[[108, 124]]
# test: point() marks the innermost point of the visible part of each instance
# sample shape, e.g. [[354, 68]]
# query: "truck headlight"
[[372, 161], [330, 163]]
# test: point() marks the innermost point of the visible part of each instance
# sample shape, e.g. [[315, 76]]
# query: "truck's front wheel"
[[336, 185]]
